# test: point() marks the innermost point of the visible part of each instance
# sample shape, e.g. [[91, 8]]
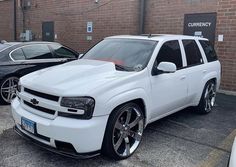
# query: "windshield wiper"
[[123, 68]]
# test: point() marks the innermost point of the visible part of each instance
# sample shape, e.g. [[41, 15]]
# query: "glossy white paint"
[[167, 67], [232, 162], [162, 94]]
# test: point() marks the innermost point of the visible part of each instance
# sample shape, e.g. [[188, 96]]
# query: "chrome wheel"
[[8, 89], [210, 96], [127, 132]]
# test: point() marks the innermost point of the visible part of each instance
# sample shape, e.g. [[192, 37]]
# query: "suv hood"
[[79, 77]]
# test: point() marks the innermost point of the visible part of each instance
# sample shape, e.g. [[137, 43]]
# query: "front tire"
[[207, 101], [8, 89], [124, 132]]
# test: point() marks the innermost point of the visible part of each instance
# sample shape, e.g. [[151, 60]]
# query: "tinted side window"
[[62, 52], [18, 55], [209, 50], [37, 51], [170, 52], [193, 54]]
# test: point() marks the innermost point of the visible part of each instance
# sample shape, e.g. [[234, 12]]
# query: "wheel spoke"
[[6, 88], [127, 146], [6, 91], [118, 143], [135, 122], [9, 96], [128, 117]]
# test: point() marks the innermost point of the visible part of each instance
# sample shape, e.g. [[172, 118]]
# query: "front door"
[[169, 90], [48, 31]]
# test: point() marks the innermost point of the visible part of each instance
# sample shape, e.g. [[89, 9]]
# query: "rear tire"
[[207, 100], [124, 132]]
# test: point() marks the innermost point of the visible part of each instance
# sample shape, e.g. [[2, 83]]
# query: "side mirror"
[[165, 67], [80, 55]]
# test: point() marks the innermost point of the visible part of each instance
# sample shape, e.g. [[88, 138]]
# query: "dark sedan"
[[20, 58]]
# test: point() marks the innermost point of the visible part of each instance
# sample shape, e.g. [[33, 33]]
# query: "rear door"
[[195, 68]]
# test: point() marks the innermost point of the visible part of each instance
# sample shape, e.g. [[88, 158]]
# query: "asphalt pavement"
[[184, 139]]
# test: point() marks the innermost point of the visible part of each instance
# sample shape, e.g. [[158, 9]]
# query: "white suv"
[[103, 101]]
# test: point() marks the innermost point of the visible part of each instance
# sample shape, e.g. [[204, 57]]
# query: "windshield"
[[127, 54]]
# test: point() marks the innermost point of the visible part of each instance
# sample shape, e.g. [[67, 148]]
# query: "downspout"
[[142, 17], [15, 23]]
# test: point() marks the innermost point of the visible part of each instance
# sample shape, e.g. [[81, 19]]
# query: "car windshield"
[[126, 54]]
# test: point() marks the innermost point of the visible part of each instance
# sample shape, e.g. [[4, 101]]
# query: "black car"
[[20, 58]]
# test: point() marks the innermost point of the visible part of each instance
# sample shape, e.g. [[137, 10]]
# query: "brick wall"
[[6, 20], [166, 16], [113, 17], [70, 18], [226, 25]]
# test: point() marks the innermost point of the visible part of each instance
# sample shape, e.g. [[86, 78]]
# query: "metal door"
[[48, 31]]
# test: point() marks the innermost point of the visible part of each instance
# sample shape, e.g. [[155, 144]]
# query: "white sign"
[[220, 38], [198, 34], [89, 27], [199, 24]]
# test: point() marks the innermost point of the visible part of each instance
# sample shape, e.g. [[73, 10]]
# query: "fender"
[[127, 96], [205, 79]]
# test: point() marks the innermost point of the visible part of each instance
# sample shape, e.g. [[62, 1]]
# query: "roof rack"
[[151, 35]]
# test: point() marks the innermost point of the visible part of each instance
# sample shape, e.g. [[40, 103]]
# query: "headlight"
[[83, 103]]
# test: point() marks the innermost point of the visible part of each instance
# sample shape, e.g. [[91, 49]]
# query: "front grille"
[[42, 95], [42, 109]]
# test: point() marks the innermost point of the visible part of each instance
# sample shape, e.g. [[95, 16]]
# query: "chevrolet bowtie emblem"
[[34, 101]]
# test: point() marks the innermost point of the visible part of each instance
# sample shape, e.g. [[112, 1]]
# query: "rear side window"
[[193, 54], [209, 50], [170, 52], [37, 51], [62, 52], [18, 55]]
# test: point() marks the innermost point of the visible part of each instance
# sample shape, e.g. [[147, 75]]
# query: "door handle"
[[204, 71], [183, 77]]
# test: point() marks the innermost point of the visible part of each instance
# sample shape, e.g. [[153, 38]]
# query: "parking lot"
[[184, 139]]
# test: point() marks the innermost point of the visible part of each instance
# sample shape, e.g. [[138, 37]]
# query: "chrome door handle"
[[204, 71]]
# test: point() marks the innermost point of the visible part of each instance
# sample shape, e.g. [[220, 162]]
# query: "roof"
[[156, 37], [7, 45]]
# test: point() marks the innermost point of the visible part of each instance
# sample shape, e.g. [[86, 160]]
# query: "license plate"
[[28, 125]]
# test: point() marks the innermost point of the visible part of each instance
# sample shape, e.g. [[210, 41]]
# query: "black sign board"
[[201, 24]]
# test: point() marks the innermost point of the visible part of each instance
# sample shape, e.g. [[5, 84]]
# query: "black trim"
[[54, 150], [43, 95], [42, 109], [74, 116]]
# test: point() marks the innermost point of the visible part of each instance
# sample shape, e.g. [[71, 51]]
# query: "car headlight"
[[82, 103]]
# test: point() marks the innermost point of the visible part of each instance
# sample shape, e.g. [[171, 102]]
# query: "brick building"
[[69, 19]]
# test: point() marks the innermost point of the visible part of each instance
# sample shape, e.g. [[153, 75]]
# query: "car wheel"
[[8, 89], [124, 132], [208, 98]]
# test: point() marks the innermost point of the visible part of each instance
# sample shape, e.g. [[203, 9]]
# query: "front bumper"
[[84, 136]]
